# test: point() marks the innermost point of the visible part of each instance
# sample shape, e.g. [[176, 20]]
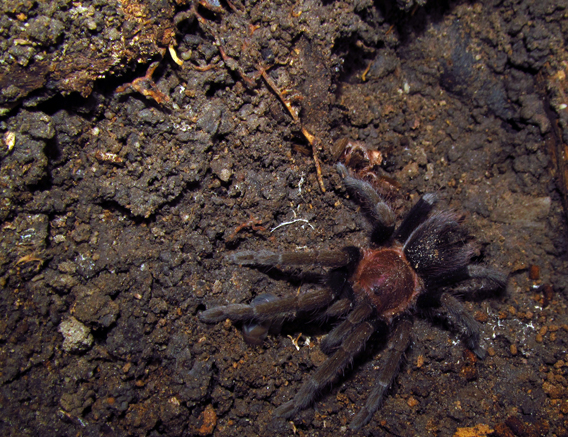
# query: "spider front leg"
[[416, 216], [380, 213]]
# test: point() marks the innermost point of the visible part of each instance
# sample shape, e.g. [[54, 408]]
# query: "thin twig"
[[313, 142], [276, 91]]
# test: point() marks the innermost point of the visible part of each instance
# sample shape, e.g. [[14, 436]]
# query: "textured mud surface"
[[142, 143]]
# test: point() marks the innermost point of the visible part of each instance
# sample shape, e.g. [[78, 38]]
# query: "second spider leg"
[[360, 313], [488, 279], [397, 345], [472, 279], [285, 307], [325, 373]]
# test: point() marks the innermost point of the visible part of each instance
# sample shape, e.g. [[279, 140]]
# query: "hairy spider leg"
[[284, 307], [459, 316], [331, 341], [322, 258], [379, 212], [325, 373], [337, 309], [255, 332], [490, 280], [470, 279], [416, 216], [397, 345]]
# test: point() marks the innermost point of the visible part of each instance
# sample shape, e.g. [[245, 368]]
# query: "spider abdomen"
[[386, 278]]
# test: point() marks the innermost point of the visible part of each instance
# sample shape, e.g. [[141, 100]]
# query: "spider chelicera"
[[426, 260]]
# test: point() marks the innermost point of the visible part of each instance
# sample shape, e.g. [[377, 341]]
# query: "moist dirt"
[[144, 141]]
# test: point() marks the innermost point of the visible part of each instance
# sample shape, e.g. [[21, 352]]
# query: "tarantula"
[[388, 282]]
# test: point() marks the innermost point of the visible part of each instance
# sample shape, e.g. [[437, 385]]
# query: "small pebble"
[[420, 361], [513, 349], [207, 421], [77, 337], [534, 272], [225, 174], [411, 170], [481, 316], [412, 402]]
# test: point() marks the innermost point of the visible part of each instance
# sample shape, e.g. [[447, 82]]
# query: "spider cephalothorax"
[[428, 252]]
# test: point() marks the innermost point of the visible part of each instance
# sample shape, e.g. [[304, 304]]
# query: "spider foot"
[[361, 419], [285, 411], [235, 312]]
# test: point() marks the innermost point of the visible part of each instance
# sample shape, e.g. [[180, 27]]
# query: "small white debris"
[[10, 140], [295, 341], [225, 174], [291, 223], [76, 336]]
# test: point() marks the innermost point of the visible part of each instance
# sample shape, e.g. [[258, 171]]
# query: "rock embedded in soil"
[[76, 336]]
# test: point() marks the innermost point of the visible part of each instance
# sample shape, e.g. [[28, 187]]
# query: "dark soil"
[[123, 192]]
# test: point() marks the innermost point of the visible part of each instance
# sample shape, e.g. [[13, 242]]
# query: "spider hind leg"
[[333, 340], [397, 345], [459, 316], [351, 346]]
